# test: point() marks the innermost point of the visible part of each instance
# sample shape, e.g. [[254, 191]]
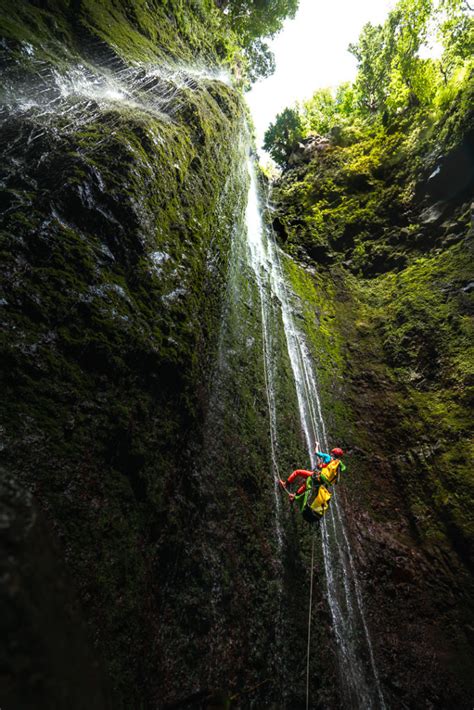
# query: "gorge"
[[179, 333]]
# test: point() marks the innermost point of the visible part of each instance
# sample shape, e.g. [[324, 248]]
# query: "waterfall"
[[359, 680], [77, 96], [64, 102], [260, 262]]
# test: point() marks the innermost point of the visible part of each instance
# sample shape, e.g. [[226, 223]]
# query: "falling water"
[[359, 680], [259, 259], [74, 97]]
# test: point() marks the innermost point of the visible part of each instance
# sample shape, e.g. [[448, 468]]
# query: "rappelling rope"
[[309, 622]]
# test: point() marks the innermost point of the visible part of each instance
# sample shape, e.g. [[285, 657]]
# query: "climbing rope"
[[309, 622]]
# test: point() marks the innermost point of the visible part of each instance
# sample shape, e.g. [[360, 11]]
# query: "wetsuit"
[[325, 457]]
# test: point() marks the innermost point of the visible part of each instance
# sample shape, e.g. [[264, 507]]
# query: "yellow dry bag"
[[321, 503]]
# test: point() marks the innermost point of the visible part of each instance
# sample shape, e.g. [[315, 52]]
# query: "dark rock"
[[433, 214], [453, 174], [308, 149], [47, 655], [320, 253], [280, 229]]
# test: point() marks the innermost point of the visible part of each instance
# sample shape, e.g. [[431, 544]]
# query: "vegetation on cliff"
[[252, 22], [141, 565], [395, 80], [374, 202]]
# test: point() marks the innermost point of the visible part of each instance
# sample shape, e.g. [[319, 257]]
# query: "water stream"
[[260, 265], [359, 680]]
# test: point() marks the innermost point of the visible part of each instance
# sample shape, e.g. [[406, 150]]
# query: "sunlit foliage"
[[251, 20], [395, 75]]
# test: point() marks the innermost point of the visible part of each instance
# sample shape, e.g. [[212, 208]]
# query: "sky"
[[311, 53]]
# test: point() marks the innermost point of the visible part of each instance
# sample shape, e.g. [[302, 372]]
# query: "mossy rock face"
[[59, 30], [385, 294], [121, 196], [385, 199], [136, 419], [137, 488]]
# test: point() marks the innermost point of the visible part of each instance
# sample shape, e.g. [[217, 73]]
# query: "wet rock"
[[433, 214], [308, 149], [453, 174], [280, 229], [47, 657]]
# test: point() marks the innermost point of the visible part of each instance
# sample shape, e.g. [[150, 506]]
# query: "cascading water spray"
[[75, 97], [260, 265]]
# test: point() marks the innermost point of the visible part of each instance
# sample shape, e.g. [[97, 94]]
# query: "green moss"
[[115, 268], [385, 301], [147, 32]]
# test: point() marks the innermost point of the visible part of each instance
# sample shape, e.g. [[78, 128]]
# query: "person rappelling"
[[312, 496]]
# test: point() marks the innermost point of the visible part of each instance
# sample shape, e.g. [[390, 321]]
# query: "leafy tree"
[[391, 74], [283, 136], [456, 33], [260, 61], [373, 67], [406, 31], [345, 100], [393, 77], [327, 109], [251, 20], [319, 111]]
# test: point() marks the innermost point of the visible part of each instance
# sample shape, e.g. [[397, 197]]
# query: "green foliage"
[[392, 76], [260, 61], [251, 20], [406, 31], [394, 79], [372, 77], [456, 33], [339, 205], [328, 112], [319, 111], [282, 136]]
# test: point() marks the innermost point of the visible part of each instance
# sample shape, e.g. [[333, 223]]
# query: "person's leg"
[[300, 472]]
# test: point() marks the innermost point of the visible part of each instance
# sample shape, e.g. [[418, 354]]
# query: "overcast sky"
[[311, 53]]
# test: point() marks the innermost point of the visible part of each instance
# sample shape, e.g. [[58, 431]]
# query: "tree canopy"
[[251, 21], [395, 75], [283, 135]]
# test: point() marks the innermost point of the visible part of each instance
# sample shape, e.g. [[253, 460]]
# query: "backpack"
[[331, 470]]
